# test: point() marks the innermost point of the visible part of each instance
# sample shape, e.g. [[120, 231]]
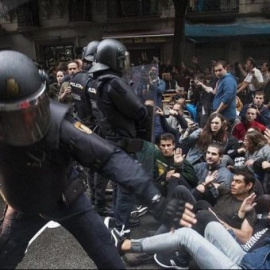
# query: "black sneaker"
[[117, 240], [133, 222], [136, 259], [172, 260], [140, 211], [110, 224]]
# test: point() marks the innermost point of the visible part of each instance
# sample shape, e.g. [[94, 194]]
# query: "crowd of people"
[[198, 163]]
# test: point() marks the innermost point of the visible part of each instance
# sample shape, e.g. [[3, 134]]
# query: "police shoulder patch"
[[82, 128]]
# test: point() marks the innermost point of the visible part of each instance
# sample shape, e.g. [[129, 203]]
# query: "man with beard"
[[213, 157]]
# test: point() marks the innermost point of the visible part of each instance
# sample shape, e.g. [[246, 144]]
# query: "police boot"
[[103, 209]]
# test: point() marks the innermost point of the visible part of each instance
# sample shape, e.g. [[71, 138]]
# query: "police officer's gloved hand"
[[168, 211]]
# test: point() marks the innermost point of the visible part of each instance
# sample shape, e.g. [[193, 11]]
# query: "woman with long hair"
[[54, 88], [257, 147], [215, 130]]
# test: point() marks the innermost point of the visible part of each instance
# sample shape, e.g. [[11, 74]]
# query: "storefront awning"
[[227, 30], [202, 30]]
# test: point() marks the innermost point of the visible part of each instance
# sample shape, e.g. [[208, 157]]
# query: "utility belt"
[[76, 188], [127, 144]]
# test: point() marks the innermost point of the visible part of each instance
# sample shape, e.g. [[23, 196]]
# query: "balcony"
[[212, 10], [266, 10], [28, 16]]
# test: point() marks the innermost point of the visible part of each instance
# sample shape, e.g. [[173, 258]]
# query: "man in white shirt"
[[252, 72]]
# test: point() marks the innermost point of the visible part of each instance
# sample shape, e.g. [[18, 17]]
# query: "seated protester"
[[263, 113], [227, 205], [187, 107], [215, 130], [240, 129], [171, 169], [179, 118], [213, 157], [168, 107], [173, 113], [257, 148], [262, 224], [212, 200], [216, 250]]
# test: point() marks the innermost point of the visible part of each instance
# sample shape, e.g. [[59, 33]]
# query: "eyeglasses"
[[218, 70]]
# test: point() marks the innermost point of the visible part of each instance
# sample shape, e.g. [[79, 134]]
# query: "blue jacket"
[[258, 259], [226, 93]]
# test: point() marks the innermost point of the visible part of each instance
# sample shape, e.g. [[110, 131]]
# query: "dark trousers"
[[79, 219], [98, 185], [124, 203]]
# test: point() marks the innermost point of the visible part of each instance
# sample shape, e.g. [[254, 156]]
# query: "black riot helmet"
[[90, 51], [24, 103], [111, 54]]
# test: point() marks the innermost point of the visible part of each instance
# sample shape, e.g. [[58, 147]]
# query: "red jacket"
[[240, 129]]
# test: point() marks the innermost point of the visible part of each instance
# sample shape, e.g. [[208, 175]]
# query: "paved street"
[[57, 249]]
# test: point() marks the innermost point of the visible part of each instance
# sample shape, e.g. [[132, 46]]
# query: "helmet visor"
[[25, 122]]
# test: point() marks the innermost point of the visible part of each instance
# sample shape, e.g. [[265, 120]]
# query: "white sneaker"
[[140, 211]]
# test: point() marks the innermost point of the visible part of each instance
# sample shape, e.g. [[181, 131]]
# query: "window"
[[132, 8], [79, 10]]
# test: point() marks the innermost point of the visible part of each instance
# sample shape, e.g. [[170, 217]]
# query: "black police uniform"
[[120, 112], [39, 184], [82, 106]]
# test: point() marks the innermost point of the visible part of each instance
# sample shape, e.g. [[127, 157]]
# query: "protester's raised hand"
[[178, 156]]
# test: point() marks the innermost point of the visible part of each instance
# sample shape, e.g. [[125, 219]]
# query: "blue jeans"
[[218, 250], [79, 219], [124, 203]]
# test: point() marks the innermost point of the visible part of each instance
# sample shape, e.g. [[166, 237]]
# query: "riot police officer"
[[120, 112], [38, 141], [80, 84]]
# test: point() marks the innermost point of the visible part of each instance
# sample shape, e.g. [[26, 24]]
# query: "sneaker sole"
[[139, 213], [106, 222], [142, 211], [167, 266]]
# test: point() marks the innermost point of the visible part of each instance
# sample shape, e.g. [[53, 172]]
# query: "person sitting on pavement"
[[263, 113], [177, 114], [171, 168], [216, 250], [241, 128], [215, 130], [213, 158]]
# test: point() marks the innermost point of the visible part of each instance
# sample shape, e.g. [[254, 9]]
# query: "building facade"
[[51, 31]]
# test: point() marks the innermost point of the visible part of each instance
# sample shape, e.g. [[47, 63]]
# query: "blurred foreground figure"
[[39, 141]]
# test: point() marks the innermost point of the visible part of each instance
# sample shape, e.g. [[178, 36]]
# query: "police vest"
[[82, 105]]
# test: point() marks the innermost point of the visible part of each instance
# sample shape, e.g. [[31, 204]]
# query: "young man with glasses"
[[225, 99]]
